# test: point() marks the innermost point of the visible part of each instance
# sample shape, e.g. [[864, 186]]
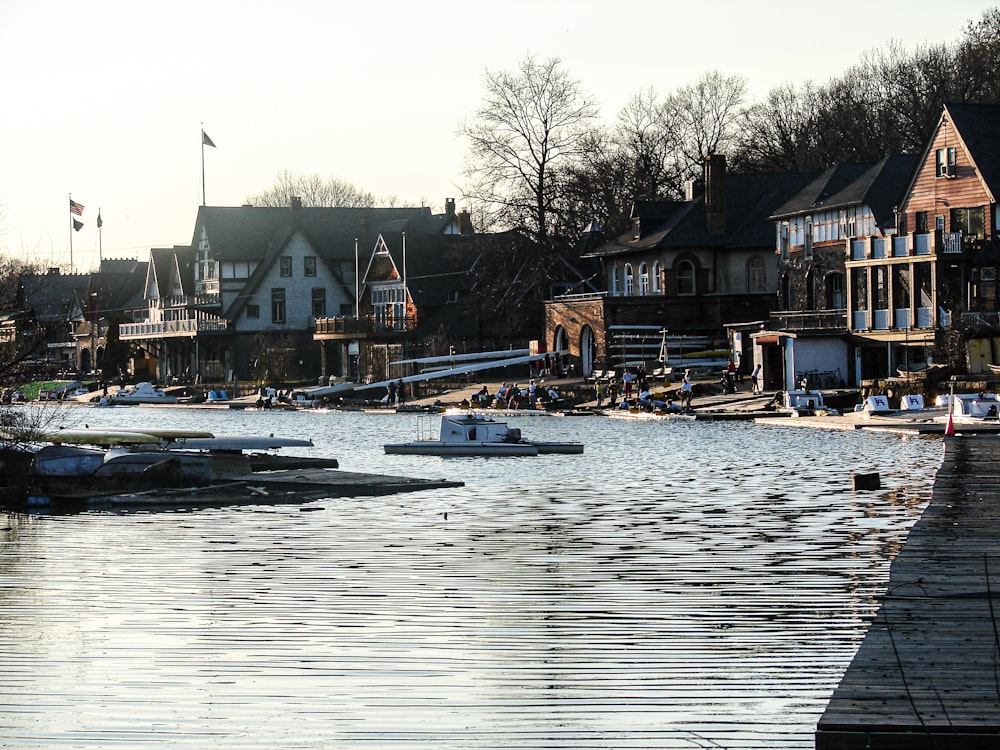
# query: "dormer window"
[[636, 233]]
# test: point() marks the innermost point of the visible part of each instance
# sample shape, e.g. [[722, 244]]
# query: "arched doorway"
[[559, 344], [588, 346]]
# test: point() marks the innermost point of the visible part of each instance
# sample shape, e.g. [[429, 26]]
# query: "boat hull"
[[469, 448]]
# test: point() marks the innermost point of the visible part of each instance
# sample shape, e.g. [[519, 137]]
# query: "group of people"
[[513, 396]]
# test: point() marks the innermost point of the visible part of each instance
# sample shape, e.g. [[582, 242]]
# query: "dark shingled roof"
[[881, 186], [978, 126], [750, 201], [52, 297], [248, 232]]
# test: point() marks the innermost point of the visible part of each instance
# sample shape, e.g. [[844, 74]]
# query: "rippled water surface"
[[680, 585]]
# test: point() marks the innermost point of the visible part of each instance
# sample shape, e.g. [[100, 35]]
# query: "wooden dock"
[[927, 674]]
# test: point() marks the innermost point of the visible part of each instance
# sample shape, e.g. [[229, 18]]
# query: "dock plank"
[[928, 671]]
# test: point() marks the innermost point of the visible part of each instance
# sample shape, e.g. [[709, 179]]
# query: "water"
[[680, 585]]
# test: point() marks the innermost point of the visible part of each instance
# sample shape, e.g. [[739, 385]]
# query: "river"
[[680, 585]]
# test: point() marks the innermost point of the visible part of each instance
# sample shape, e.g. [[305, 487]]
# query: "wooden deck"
[[927, 674]]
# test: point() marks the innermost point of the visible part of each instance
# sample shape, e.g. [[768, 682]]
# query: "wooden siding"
[[938, 195]]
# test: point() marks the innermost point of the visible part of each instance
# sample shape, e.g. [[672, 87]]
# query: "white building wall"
[[298, 292]]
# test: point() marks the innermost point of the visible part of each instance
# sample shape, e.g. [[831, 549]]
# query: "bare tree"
[[314, 191], [532, 122], [705, 117]]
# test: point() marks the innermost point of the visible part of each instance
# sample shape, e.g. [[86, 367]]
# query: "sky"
[[106, 100]]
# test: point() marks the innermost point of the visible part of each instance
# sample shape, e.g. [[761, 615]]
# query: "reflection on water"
[[679, 585]]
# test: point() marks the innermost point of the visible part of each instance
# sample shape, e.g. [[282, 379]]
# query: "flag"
[[77, 225], [205, 140], [75, 207], [100, 223]]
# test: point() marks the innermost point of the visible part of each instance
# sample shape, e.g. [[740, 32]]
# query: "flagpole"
[[71, 234], [203, 164]]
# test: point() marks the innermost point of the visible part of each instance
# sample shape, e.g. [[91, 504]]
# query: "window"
[[285, 264], [946, 158], [389, 306], [756, 275], [657, 285], [629, 280], [807, 239], [614, 279], [783, 241], [309, 265], [278, 305], [836, 297], [319, 302], [453, 296], [643, 279], [685, 277], [253, 311], [923, 227], [971, 222]]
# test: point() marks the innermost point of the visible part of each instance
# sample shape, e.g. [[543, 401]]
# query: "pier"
[[927, 674]]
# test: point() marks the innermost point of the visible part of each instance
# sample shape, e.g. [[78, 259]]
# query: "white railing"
[[167, 328]]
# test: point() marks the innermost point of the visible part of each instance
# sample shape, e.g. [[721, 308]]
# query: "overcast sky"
[[105, 100]]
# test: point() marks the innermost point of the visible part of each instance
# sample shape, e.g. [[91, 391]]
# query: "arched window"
[[643, 279], [657, 286], [685, 277], [756, 275], [614, 279], [629, 280], [810, 291]]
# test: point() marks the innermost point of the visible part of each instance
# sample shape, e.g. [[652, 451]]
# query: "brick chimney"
[[715, 193], [449, 206], [297, 211]]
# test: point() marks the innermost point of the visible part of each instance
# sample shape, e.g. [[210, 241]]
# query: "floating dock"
[[927, 674]]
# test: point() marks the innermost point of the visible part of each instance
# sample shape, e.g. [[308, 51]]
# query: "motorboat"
[[473, 434], [142, 393], [806, 403], [970, 408]]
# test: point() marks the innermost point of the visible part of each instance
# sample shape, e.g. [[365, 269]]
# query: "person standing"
[[599, 388], [755, 378], [400, 392], [687, 390]]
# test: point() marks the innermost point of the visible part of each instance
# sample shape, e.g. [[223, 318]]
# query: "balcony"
[[171, 328], [367, 326], [809, 320]]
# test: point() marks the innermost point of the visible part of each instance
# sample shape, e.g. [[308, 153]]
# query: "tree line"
[[539, 161]]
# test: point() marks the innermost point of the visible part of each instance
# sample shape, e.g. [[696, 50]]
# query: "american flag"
[[76, 208]]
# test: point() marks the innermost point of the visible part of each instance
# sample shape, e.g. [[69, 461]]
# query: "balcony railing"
[[169, 328], [364, 326], [809, 320]]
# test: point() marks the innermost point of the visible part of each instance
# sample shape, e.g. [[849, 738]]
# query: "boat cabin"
[[473, 428], [806, 403]]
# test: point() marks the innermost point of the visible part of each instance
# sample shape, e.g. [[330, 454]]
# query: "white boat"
[[473, 434], [806, 404], [970, 408], [142, 393]]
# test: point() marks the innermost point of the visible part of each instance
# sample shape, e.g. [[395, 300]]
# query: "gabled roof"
[[750, 200], [165, 262], [119, 285], [52, 297], [435, 264], [881, 186], [247, 232], [978, 125]]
